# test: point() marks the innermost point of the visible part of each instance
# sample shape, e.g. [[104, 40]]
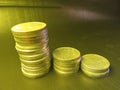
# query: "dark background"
[[92, 26]]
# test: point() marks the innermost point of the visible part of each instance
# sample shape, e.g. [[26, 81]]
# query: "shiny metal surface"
[[92, 26]]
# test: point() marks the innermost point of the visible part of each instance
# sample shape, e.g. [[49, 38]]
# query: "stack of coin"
[[94, 65], [66, 60], [32, 46]]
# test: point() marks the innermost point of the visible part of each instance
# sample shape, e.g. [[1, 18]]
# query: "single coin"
[[37, 71], [63, 71], [31, 42], [35, 62], [32, 51], [67, 68], [29, 35], [31, 47], [95, 63], [64, 65], [33, 57], [31, 75], [66, 53], [72, 62], [28, 27], [96, 75]]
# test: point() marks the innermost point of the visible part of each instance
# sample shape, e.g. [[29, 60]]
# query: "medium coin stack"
[[32, 46], [94, 65], [66, 60]]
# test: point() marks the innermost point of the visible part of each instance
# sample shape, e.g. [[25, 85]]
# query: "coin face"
[[28, 27], [95, 62], [66, 53]]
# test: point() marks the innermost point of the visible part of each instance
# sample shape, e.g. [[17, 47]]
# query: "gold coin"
[[28, 27], [96, 75], [31, 75], [95, 63], [66, 54]]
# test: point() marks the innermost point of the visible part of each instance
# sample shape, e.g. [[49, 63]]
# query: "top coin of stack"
[[66, 60], [32, 46], [95, 65]]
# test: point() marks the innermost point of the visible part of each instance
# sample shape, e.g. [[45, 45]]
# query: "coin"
[[35, 62], [28, 27], [32, 51], [37, 71], [31, 47], [95, 63], [75, 68], [63, 72], [33, 57], [31, 75], [66, 53], [96, 75]]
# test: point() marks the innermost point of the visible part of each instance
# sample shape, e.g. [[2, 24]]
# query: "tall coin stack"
[[32, 46], [66, 60]]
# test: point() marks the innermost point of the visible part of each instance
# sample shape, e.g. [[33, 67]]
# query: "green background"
[[92, 26]]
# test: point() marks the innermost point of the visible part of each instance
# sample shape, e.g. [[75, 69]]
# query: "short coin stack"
[[32, 46], [94, 65], [66, 60]]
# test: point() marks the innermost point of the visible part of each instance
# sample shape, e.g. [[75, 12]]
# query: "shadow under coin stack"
[[66, 60], [32, 46], [95, 66]]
